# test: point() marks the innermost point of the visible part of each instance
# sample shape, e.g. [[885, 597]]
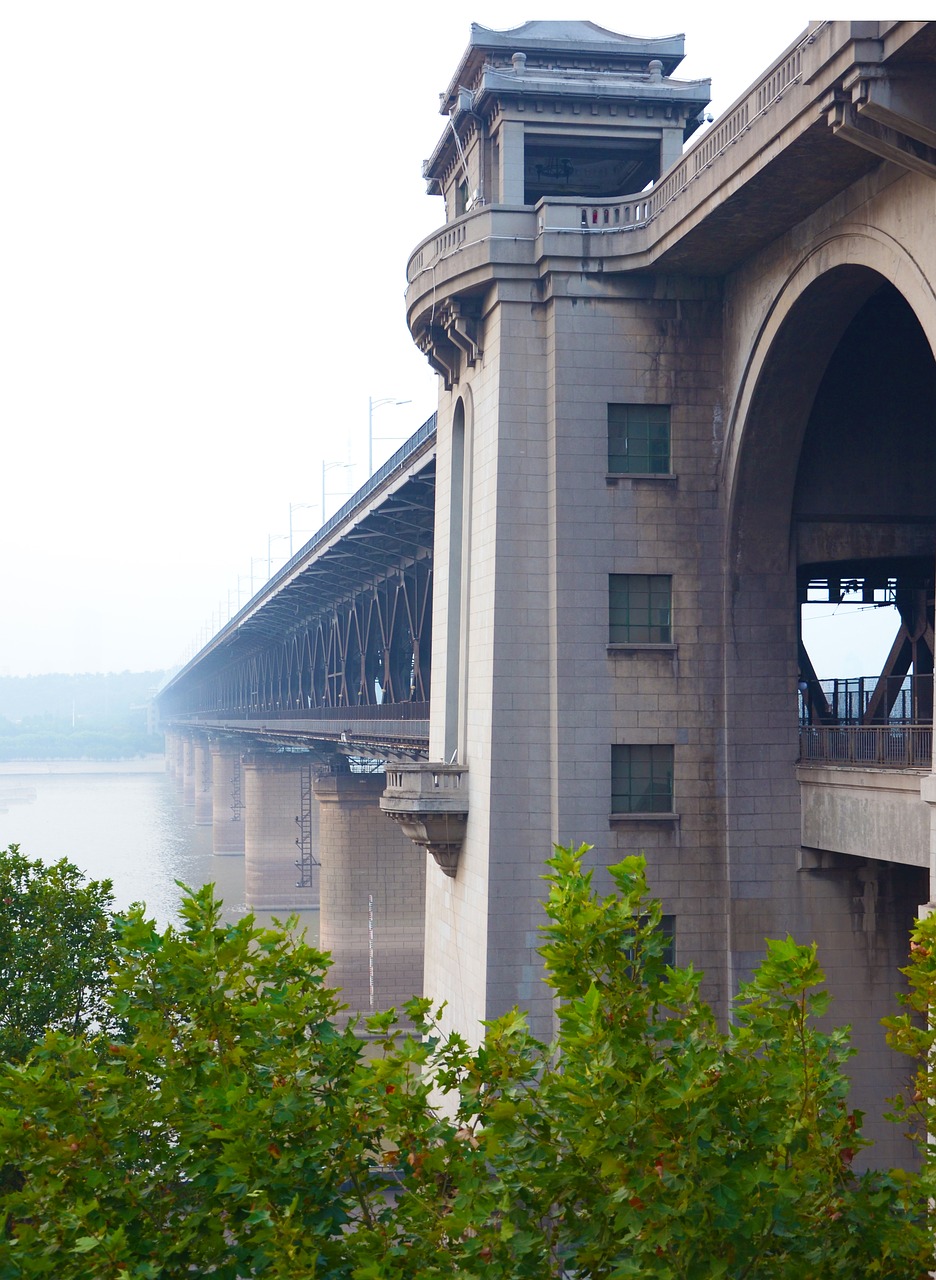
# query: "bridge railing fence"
[[393, 463], [897, 746]]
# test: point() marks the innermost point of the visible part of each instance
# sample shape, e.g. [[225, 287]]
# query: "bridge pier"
[[188, 769], [372, 895], [272, 789], [202, 769], [227, 812], [173, 753]]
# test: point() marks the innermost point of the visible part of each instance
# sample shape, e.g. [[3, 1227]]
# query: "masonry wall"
[[544, 699], [657, 344]]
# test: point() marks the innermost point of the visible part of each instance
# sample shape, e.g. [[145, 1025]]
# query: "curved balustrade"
[[627, 213]]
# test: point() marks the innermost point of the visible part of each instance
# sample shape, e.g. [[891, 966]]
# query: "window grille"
[[641, 779], [639, 438], [640, 608]]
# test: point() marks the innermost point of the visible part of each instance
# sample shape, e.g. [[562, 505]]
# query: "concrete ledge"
[[868, 813], [643, 817], [625, 647]]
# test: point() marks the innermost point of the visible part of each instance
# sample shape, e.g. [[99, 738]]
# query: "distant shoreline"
[[141, 764]]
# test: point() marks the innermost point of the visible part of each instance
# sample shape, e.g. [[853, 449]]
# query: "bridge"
[[682, 394]]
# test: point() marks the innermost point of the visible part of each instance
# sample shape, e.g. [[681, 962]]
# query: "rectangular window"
[[641, 779], [640, 606], [666, 927], [639, 438]]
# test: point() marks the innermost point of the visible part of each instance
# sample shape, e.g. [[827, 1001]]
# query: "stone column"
[[188, 769], [372, 895], [173, 754], [511, 162], [203, 800], [227, 789], [272, 787]]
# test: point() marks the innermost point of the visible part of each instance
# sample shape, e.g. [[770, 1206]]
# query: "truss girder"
[[350, 629], [372, 649]]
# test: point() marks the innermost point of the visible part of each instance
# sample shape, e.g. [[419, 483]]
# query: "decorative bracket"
[[462, 330], [443, 355], [453, 335], [889, 116], [430, 802]]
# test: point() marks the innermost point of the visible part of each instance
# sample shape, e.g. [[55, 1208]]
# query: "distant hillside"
[[78, 717], [95, 696]]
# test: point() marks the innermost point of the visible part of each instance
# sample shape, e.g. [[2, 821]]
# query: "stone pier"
[[372, 895], [188, 769], [203, 798], [228, 813], [272, 790]]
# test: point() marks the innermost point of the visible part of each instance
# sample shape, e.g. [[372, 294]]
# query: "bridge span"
[[683, 393]]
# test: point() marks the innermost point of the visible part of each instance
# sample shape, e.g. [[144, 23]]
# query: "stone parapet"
[[430, 803]]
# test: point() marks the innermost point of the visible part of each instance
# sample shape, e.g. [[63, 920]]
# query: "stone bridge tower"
[[541, 352], [679, 394]]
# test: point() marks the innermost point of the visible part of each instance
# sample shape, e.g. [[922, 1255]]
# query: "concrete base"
[[372, 895], [203, 796], [228, 812], [272, 793]]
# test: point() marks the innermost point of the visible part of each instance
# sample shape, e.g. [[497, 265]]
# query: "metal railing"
[[907, 746], [384, 712], [395, 462], [408, 452], [860, 700]]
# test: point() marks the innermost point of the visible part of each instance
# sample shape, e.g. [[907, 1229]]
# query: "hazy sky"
[[207, 211]]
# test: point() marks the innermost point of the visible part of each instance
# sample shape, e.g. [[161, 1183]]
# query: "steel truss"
[[343, 632], [369, 650]]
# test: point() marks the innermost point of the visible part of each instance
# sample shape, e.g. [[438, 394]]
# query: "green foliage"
[[237, 1129], [56, 942], [914, 1033], [646, 1142]]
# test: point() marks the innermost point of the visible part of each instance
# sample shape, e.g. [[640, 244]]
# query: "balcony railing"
[[867, 700], [891, 746]]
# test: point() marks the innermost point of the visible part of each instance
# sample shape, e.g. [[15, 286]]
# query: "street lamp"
[[327, 466], [373, 404], [271, 538], [299, 506]]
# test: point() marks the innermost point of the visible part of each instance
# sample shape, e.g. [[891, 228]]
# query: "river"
[[124, 822]]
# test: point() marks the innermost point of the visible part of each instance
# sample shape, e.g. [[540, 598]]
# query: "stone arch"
[[808, 313], [806, 330]]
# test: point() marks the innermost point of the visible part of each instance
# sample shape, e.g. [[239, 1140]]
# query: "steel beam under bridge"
[[336, 647]]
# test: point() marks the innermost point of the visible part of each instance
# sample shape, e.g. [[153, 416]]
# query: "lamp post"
[[328, 466], [271, 538], [373, 404], [300, 506]]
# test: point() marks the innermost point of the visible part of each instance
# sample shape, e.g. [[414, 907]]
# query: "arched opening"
[[864, 514], [833, 501], [453, 622]]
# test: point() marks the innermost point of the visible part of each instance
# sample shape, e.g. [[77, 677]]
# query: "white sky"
[[207, 210]]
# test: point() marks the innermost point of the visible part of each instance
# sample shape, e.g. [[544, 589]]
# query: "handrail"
[[905, 746], [639, 209], [410, 449], [395, 461]]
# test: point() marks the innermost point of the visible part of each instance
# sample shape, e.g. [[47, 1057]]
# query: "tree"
[[237, 1129], [56, 942]]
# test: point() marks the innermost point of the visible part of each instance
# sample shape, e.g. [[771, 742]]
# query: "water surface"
[[124, 824]]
